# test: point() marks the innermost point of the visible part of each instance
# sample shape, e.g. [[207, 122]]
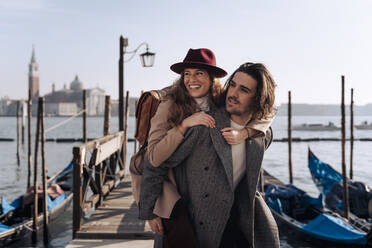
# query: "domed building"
[[70, 101], [76, 85]]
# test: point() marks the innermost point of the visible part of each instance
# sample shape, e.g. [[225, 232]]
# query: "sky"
[[306, 44]]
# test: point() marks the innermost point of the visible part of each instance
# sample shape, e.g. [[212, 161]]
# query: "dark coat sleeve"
[[153, 177]]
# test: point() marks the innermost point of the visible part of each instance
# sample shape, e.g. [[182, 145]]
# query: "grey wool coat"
[[203, 171]]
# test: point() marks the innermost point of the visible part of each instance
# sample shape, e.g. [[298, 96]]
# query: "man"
[[217, 181]]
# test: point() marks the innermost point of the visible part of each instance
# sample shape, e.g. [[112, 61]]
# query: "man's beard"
[[233, 112], [236, 111]]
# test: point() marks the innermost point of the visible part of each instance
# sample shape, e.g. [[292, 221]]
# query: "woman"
[[195, 92]]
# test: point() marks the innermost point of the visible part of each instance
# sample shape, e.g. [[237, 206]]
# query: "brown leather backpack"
[[146, 108]]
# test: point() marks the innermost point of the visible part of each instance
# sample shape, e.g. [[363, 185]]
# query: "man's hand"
[[156, 225]]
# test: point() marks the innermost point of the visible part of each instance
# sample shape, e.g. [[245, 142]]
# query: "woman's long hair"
[[185, 105], [263, 106]]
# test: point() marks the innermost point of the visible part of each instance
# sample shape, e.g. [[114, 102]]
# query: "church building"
[[67, 101]]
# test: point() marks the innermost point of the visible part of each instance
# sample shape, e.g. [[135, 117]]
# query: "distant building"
[[61, 109], [96, 101], [70, 101], [4, 105], [8, 107], [64, 102]]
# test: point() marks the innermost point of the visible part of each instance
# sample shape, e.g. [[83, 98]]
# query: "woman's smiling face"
[[197, 82]]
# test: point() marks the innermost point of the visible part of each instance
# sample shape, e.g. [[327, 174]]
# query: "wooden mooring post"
[[343, 131], [290, 138], [122, 43], [106, 125], [36, 198], [24, 106], [44, 171], [85, 116], [18, 108], [351, 133], [135, 125], [126, 130], [29, 156]]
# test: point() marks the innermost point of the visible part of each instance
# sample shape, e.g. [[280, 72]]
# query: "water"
[[13, 177]]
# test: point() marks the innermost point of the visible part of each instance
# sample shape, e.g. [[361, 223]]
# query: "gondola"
[[305, 217], [16, 219], [329, 182]]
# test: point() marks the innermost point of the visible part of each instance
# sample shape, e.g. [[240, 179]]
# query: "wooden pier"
[[117, 218], [115, 223], [104, 211]]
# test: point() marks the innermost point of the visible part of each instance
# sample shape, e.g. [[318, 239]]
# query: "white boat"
[[364, 126], [317, 127]]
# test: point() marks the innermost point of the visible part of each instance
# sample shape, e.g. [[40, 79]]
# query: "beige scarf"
[[203, 103]]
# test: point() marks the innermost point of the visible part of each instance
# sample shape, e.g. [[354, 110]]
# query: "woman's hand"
[[198, 118], [156, 225], [234, 136]]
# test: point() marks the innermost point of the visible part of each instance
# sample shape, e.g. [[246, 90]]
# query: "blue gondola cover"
[[334, 229], [323, 174], [4, 228]]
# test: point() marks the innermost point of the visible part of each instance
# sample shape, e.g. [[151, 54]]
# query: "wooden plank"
[[107, 187], [109, 226], [107, 149], [122, 235], [110, 243], [92, 144], [116, 218], [92, 201]]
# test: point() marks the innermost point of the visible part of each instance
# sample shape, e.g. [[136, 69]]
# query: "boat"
[[317, 127], [16, 219], [364, 126], [305, 217], [329, 183]]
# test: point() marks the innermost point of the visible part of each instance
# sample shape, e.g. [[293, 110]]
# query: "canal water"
[[13, 178]]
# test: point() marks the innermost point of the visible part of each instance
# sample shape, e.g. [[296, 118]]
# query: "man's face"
[[197, 82], [240, 94]]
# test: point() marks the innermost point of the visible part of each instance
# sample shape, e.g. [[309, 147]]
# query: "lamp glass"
[[147, 59]]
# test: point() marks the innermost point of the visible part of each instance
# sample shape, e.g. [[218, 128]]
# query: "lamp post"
[[147, 60]]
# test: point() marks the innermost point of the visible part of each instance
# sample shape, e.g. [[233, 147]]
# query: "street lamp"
[[147, 60]]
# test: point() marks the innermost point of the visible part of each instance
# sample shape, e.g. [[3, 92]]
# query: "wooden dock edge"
[[110, 243], [103, 235]]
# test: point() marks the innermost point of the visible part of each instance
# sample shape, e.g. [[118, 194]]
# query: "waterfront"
[[13, 177]]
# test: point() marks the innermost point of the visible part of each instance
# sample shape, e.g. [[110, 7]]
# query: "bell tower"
[[33, 77]]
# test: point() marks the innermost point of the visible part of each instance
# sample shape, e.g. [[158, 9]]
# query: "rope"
[[64, 122]]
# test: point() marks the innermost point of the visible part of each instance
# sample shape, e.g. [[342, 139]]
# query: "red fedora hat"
[[199, 58]]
